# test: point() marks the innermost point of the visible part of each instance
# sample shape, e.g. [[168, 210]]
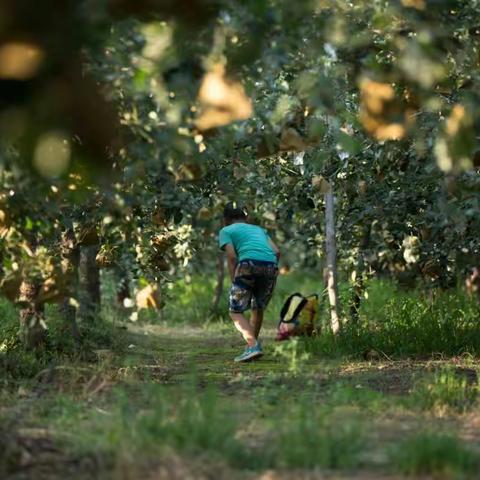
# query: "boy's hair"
[[234, 211]]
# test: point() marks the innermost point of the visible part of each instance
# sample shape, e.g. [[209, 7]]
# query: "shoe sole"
[[252, 356]]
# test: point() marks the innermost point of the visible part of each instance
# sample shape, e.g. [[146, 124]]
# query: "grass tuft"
[[446, 392], [435, 454], [310, 438], [186, 422], [396, 323]]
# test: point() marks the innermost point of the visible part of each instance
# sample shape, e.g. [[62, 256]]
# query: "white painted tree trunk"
[[331, 262]]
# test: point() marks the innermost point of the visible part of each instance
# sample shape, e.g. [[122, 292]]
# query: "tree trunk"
[[70, 252], [359, 286], [123, 285], [89, 278], [220, 281], [32, 322], [331, 262], [356, 300]]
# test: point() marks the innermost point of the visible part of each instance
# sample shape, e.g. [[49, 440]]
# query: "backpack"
[[297, 317]]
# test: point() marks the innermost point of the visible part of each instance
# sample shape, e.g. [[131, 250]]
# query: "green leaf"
[[349, 144]]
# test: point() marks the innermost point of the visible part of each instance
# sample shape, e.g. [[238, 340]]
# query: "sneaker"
[[250, 353]]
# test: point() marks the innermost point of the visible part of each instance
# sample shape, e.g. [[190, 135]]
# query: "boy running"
[[252, 263]]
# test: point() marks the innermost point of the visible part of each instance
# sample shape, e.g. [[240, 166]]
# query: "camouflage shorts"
[[252, 286]]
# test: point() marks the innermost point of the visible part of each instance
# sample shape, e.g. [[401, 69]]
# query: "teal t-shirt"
[[251, 242]]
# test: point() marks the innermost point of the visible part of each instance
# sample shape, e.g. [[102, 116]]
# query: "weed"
[[190, 301], [434, 454], [364, 398], [190, 422], [447, 391], [294, 354], [152, 422], [308, 438], [399, 323], [17, 363]]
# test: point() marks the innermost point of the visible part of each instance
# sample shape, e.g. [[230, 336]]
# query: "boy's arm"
[[274, 248], [231, 259]]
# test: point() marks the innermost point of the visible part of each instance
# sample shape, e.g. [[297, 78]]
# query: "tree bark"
[[32, 322], [89, 279], [123, 285], [220, 282], [331, 276], [359, 286], [356, 300], [70, 252]]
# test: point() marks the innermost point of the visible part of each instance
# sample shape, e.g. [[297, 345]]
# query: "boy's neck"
[[231, 222]]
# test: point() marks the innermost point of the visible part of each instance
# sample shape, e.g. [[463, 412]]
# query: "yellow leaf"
[[222, 101], [188, 172], [20, 60], [381, 113], [204, 214], [291, 141], [457, 118], [375, 94], [455, 147], [321, 185], [10, 286], [52, 290], [159, 217], [105, 256], [393, 131], [418, 4]]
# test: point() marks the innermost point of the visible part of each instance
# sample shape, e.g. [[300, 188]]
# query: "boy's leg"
[[244, 327], [256, 321], [262, 293], [239, 300]]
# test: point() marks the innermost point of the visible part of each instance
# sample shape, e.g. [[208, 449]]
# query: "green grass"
[[17, 364], [356, 395], [293, 355], [190, 301], [190, 422], [436, 454], [169, 389], [445, 391], [392, 321], [401, 324], [313, 437], [150, 422], [250, 417]]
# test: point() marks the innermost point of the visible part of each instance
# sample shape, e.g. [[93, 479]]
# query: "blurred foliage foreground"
[[126, 125]]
